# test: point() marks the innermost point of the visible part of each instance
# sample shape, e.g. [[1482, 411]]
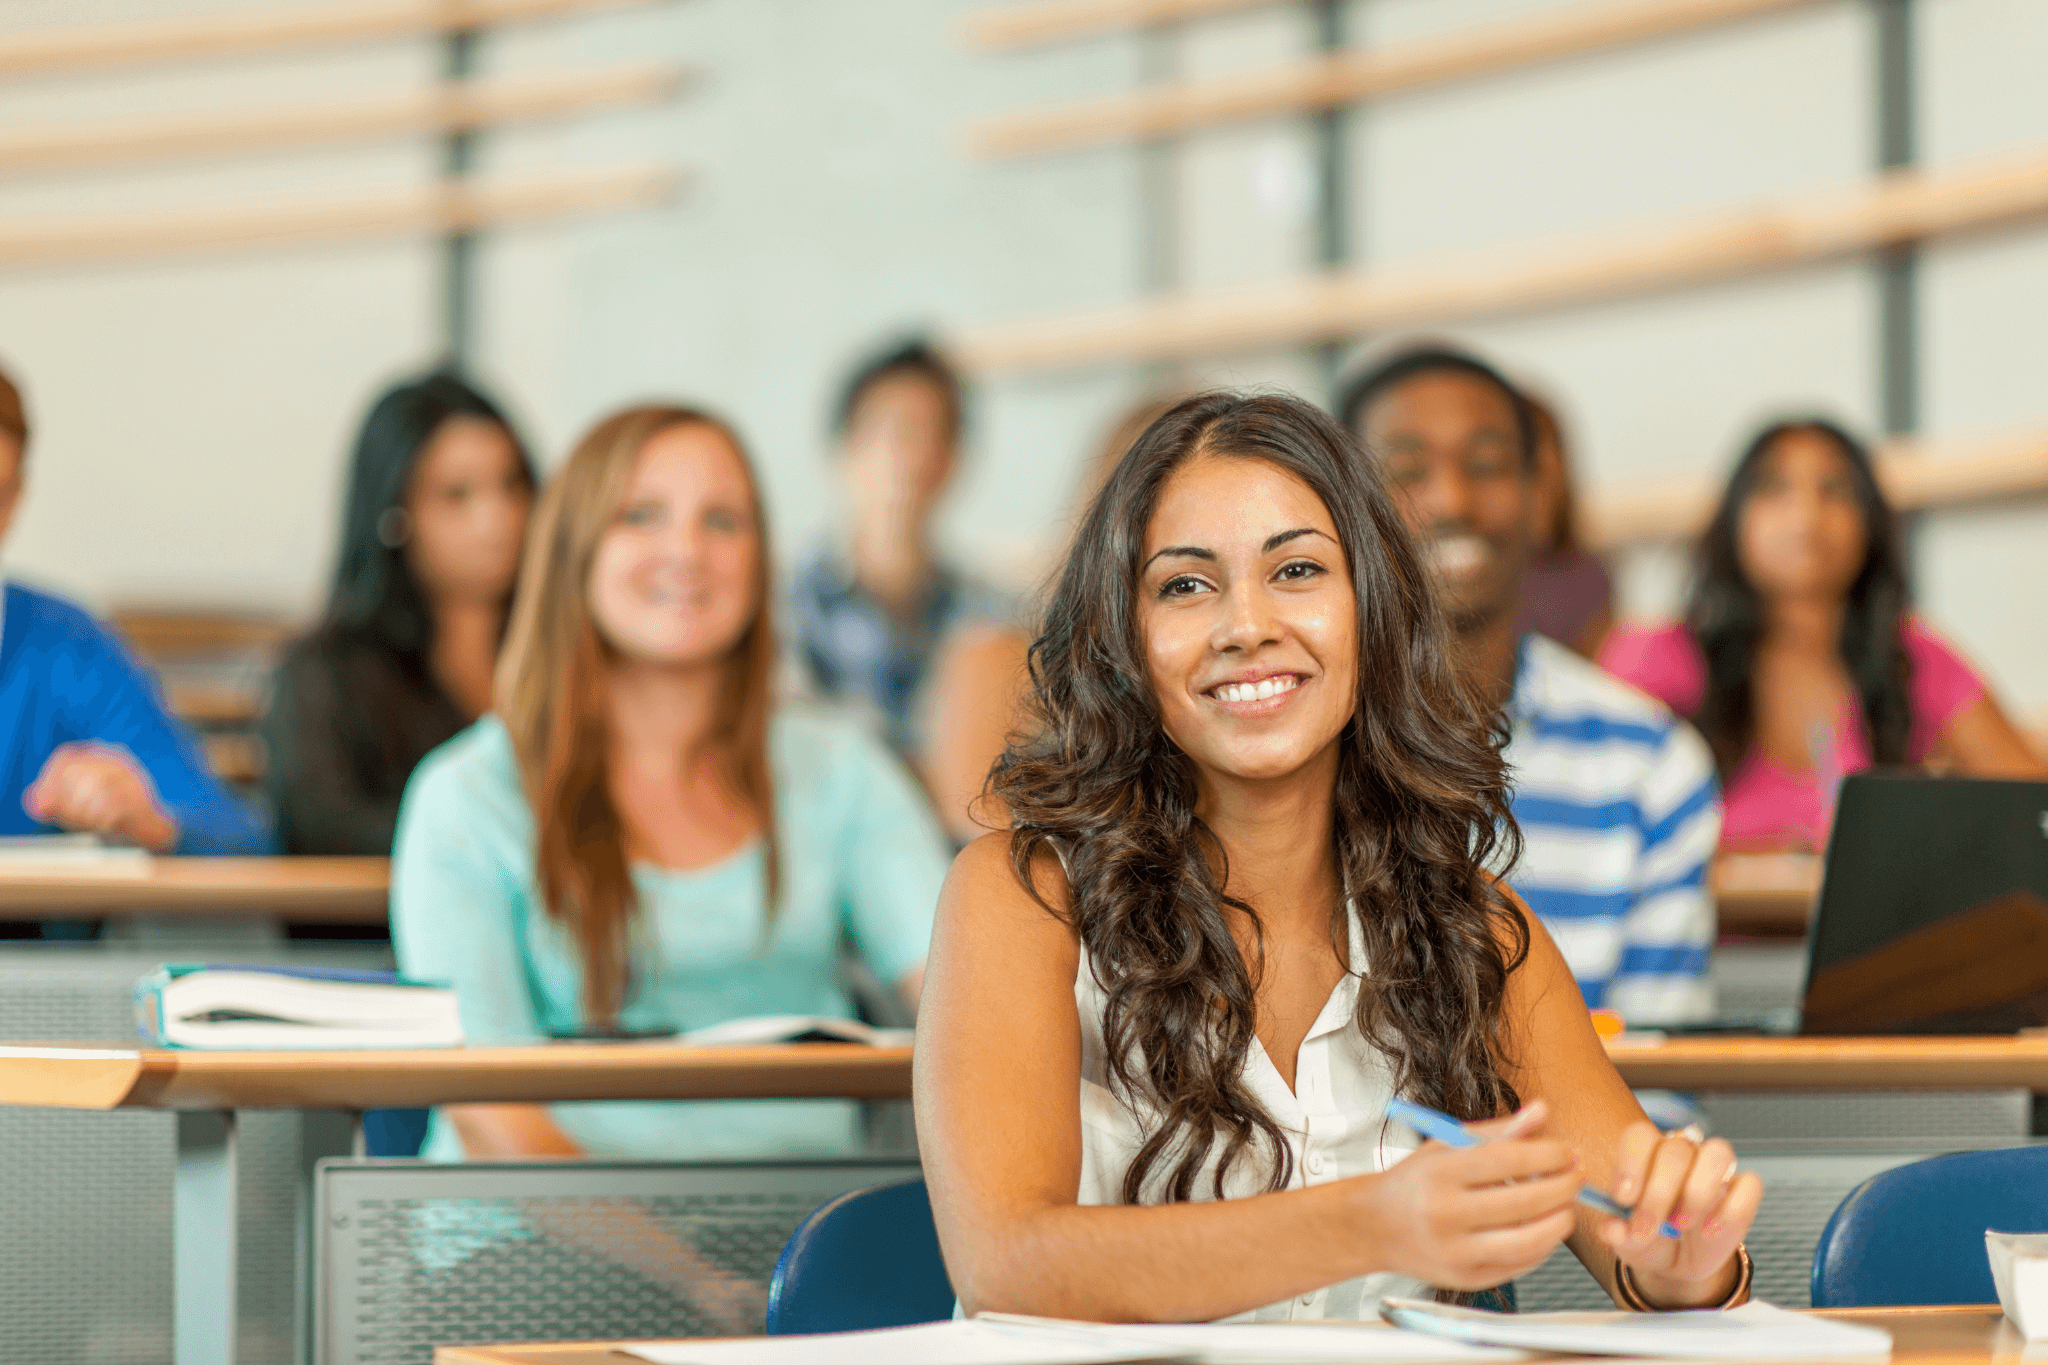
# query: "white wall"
[[195, 413]]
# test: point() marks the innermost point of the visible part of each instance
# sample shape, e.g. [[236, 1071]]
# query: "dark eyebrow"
[[1181, 552], [1274, 542]]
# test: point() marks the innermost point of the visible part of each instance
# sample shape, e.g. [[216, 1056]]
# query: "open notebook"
[[1755, 1331], [1001, 1339]]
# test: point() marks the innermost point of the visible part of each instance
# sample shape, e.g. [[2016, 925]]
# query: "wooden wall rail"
[[466, 207], [1052, 21], [1349, 77], [460, 107], [171, 40], [1904, 206], [1914, 474]]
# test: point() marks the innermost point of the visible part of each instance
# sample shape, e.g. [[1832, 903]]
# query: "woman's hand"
[[1473, 1217], [1694, 1186], [98, 788]]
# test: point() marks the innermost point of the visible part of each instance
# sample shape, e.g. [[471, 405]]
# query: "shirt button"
[[1315, 1166], [1308, 1300]]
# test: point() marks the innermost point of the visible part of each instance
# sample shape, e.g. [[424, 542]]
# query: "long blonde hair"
[[551, 695]]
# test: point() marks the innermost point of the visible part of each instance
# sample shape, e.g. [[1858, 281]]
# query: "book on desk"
[[202, 1005]]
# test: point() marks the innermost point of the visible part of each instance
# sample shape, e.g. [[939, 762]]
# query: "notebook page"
[[933, 1343], [1297, 1343], [1755, 1331]]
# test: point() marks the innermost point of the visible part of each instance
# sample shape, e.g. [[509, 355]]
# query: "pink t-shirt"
[[1766, 803]]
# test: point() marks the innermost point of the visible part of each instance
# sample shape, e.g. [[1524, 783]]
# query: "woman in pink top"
[[1798, 660]]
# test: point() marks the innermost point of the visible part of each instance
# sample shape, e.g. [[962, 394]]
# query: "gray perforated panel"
[[1801, 1192], [85, 1198], [413, 1255]]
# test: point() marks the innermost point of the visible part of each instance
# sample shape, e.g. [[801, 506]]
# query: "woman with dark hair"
[[1798, 658], [879, 620], [438, 496], [1249, 897], [635, 840], [1566, 593]]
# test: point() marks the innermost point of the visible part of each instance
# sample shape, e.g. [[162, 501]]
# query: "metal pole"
[[458, 249], [1898, 268], [1333, 219]]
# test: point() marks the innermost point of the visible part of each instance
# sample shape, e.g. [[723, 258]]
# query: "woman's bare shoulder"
[[986, 889]]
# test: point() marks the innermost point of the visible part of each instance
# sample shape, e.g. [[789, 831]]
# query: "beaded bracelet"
[[1632, 1296]]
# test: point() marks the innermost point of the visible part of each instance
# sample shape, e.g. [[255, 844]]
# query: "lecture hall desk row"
[[1762, 895], [1920, 1336]]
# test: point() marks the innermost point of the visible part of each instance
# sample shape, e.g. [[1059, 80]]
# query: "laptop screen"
[[1933, 914]]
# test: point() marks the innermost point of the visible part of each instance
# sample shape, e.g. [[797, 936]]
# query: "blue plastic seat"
[[394, 1132], [867, 1259], [1915, 1234]]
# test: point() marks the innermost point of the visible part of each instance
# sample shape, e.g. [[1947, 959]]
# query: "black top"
[[350, 718]]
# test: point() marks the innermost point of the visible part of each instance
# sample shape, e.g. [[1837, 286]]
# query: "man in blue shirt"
[[1615, 796], [85, 743]]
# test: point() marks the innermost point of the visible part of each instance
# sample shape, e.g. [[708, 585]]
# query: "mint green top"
[[862, 859]]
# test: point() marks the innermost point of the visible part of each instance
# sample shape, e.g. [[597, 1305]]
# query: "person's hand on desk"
[[1694, 1186], [1470, 1218], [93, 788]]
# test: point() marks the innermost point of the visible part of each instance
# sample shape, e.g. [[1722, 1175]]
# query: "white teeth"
[[1258, 691], [1457, 554]]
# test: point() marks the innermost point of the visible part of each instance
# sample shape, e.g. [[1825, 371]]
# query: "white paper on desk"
[[2019, 1267], [70, 855], [1290, 1343], [1755, 1331], [932, 1343]]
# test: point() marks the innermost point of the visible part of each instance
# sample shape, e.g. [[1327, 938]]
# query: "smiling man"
[[1616, 797]]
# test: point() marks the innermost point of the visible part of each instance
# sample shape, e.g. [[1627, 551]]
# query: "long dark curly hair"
[[1420, 813], [1726, 613]]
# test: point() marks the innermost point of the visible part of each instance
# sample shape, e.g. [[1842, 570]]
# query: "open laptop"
[[1933, 912]]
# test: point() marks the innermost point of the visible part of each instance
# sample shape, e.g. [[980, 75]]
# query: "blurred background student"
[[1798, 657], [1614, 795], [636, 838], [1567, 594], [880, 620], [438, 495], [88, 746]]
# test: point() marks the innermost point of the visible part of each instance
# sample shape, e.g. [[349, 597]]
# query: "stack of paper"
[[1000, 1339], [2019, 1267], [1755, 1331]]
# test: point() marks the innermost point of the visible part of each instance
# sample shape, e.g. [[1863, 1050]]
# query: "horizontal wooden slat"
[[1904, 206], [172, 40], [1052, 21], [1349, 77], [459, 107], [455, 208], [1915, 475]]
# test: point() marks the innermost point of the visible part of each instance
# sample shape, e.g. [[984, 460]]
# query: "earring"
[[394, 527]]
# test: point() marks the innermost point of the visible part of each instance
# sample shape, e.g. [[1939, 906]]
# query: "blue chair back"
[[867, 1259], [1915, 1234], [394, 1132]]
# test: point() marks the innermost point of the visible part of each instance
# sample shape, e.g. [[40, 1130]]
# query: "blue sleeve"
[[1668, 933], [456, 905], [892, 859], [108, 697]]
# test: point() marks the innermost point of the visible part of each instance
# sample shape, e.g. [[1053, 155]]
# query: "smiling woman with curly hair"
[[1250, 896]]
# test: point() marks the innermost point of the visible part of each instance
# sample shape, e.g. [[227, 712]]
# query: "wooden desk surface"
[[114, 1076], [1920, 1336], [338, 890], [1765, 895]]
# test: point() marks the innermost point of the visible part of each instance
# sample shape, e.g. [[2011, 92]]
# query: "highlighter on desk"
[[1452, 1133]]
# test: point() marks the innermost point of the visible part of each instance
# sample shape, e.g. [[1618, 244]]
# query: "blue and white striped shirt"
[[1620, 813]]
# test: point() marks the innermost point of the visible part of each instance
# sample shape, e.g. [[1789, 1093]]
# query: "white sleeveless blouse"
[[1334, 1120]]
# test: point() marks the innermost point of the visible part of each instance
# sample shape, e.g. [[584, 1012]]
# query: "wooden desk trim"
[[341, 890], [86, 1077], [114, 1078]]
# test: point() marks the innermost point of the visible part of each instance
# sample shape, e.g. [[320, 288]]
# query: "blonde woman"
[[634, 840]]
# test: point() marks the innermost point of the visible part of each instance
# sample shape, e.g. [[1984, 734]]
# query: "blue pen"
[[1452, 1133]]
